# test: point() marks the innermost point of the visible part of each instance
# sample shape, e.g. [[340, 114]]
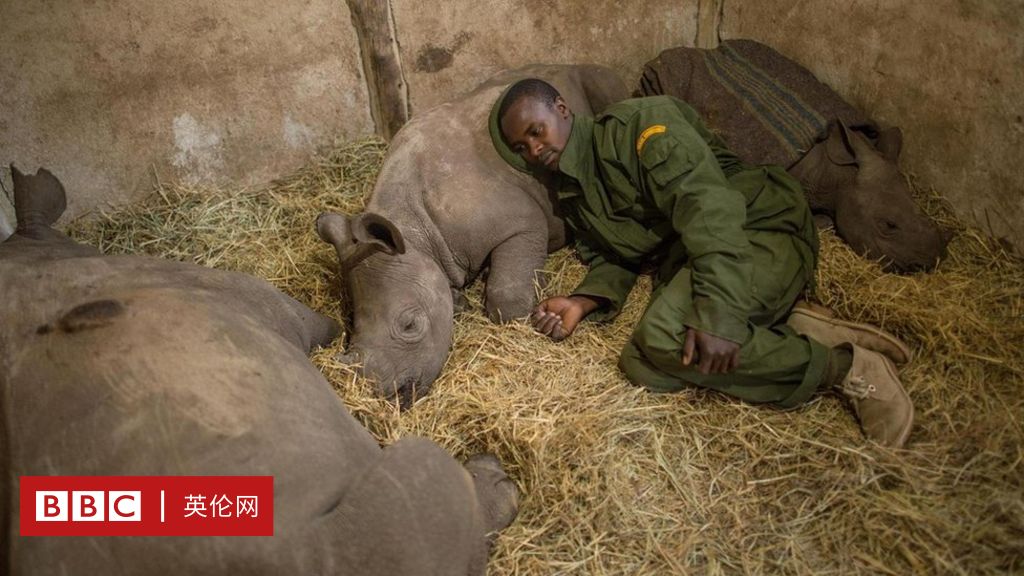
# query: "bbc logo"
[[145, 506], [89, 506]]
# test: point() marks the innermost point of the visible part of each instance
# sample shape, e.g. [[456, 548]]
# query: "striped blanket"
[[768, 109]]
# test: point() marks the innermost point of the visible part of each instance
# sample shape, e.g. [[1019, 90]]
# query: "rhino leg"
[[497, 494], [317, 329], [514, 265], [415, 512], [459, 304]]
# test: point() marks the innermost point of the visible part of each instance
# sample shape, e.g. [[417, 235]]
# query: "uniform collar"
[[493, 127], [577, 159]]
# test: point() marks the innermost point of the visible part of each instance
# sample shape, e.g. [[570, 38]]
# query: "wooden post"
[[382, 64], [709, 19]]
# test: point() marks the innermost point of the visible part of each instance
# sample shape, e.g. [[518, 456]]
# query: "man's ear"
[[562, 107]]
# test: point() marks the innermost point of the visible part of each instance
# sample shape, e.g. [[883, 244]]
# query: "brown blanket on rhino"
[[771, 110], [785, 110]]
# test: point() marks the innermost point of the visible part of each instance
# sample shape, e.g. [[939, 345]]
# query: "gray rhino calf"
[[771, 110], [444, 208], [128, 365]]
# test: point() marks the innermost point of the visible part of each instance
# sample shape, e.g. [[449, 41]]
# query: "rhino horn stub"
[[357, 237], [350, 357]]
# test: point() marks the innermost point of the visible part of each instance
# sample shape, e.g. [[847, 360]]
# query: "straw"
[[615, 480]]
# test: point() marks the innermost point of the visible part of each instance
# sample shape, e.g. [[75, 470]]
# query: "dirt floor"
[[615, 480]]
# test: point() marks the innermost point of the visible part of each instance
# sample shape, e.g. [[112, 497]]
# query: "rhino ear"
[[890, 143], [379, 231], [39, 199], [849, 147], [838, 146], [357, 237]]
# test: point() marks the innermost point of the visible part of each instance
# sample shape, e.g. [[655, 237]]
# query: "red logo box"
[[146, 505]]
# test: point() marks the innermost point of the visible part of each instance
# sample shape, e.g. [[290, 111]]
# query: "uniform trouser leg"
[[776, 364]]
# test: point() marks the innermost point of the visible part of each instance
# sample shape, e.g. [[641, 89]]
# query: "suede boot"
[[878, 399], [818, 323]]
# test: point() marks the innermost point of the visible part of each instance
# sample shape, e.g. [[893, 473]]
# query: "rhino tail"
[[39, 199]]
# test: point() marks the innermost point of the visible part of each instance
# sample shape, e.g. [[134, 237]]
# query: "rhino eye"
[[411, 325], [887, 227]]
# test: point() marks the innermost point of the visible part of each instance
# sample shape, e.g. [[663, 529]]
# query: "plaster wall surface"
[[950, 73], [110, 93], [448, 48]]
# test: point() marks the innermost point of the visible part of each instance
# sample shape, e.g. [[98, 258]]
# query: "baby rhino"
[[135, 366], [771, 110], [446, 207]]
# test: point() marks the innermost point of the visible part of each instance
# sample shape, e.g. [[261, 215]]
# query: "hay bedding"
[[618, 481]]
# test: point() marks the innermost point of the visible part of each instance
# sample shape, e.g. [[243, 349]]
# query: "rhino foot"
[[496, 492], [459, 303]]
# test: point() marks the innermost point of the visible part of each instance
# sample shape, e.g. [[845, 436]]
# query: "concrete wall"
[[110, 92], [949, 72], [449, 47]]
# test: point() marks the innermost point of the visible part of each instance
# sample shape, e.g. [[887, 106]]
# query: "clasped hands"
[[558, 317]]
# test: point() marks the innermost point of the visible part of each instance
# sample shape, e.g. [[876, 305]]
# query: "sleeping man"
[[645, 186]]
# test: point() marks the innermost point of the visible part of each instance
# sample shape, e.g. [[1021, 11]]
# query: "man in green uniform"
[[646, 186]]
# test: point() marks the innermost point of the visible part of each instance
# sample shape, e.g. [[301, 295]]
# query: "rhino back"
[[768, 108], [450, 191], [137, 366]]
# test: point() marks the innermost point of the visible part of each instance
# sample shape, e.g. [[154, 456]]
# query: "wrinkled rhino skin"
[[771, 110], [129, 365], [445, 207]]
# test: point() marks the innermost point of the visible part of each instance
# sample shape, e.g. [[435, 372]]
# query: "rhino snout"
[[917, 249], [350, 357], [408, 391], [405, 387], [903, 237]]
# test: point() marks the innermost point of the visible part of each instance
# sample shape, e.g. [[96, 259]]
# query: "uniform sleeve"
[[684, 181], [604, 279]]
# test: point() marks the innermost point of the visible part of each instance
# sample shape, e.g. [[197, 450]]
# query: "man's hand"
[[717, 355], [557, 317]]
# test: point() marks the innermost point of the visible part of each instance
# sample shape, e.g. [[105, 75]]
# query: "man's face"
[[538, 131]]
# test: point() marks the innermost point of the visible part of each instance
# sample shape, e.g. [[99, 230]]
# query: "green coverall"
[[646, 184]]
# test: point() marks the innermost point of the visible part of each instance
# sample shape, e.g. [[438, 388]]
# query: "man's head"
[[535, 122]]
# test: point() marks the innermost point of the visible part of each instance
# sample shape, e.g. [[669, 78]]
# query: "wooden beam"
[[709, 19], [382, 64]]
